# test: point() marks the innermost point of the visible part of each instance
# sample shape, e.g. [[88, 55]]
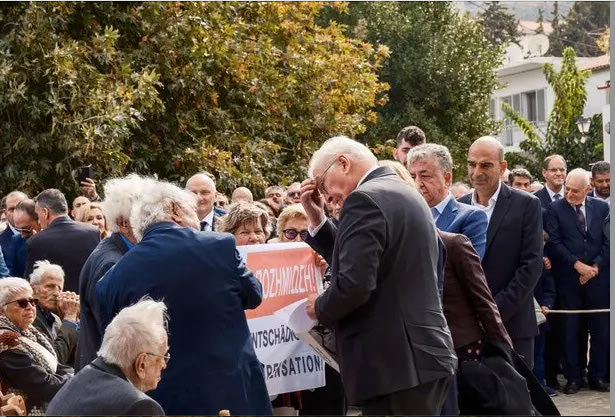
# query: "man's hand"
[[69, 306], [88, 189], [310, 306], [544, 310], [546, 262], [585, 270], [320, 262], [312, 202]]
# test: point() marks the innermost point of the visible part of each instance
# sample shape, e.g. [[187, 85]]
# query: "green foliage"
[[581, 29], [441, 71], [562, 135], [246, 91], [540, 20], [500, 24]]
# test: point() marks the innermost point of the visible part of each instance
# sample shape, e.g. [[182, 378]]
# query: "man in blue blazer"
[[431, 166], [206, 287], [11, 242], [579, 250], [513, 255]]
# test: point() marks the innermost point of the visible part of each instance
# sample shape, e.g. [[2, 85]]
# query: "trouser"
[[525, 347], [451, 404], [325, 401], [554, 348], [424, 399], [539, 353]]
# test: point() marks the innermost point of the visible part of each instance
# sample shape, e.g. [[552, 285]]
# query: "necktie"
[[556, 197], [581, 218], [435, 213], [204, 225]]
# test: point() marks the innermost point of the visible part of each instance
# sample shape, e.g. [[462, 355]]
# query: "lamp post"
[[583, 124]]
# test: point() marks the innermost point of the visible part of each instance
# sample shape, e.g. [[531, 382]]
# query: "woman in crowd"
[[247, 222], [293, 224], [133, 354], [28, 363], [92, 213]]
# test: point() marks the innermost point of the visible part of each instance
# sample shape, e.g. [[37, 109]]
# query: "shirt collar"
[[442, 204], [365, 176], [129, 245], [15, 232], [492, 200], [552, 193], [209, 218]]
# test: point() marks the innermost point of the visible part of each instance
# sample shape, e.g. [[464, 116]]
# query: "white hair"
[[580, 173], [43, 267], [10, 286], [154, 205], [439, 153], [339, 145], [120, 196], [134, 330]]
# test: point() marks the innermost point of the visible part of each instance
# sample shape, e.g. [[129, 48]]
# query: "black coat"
[[62, 336], [106, 254], [64, 242], [383, 300]]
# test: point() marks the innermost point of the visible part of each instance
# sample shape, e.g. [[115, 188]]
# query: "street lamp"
[[583, 124]]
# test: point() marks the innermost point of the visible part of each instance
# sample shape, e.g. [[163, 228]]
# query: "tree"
[[540, 21], [246, 91], [604, 43], [556, 47], [562, 135], [500, 24], [441, 71], [585, 22]]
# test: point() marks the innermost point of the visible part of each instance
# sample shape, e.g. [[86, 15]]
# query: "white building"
[[527, 91]]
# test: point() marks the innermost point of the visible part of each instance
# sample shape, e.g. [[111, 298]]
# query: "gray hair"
[[241, 212], [43, 267], [579, 172], [53, 200], [10, 286], [155, 205], [340, 145], [439, 153], [120, 196], [134, 330]]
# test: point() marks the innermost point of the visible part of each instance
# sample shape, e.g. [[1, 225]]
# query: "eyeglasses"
[[554, 170], [321, 180], [23, 302], [291, 234], [24, 230], [166, 357], [294, 193]]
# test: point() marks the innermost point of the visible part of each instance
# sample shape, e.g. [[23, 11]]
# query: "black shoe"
[[600, 385], [554, 385], [572, 387]]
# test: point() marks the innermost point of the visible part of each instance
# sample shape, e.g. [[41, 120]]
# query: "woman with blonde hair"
[[92, 213]]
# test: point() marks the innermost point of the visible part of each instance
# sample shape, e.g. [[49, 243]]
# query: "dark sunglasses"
[[291, 234], [294, 194], [23, 302]]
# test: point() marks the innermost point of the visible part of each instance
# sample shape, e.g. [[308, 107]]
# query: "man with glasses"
[[554, 173], [293, 194], [395, 349], [10, 247], [26, 224]]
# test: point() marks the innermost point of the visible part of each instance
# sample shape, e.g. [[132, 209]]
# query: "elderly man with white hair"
[[57, 311], [133, 354], [206, 286], [120, 195], [28, 362], [580, 258], [395, 349]]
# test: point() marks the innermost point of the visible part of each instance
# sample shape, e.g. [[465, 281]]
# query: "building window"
[[529, 104]]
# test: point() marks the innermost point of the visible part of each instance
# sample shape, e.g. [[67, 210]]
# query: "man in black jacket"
[[395, 349]]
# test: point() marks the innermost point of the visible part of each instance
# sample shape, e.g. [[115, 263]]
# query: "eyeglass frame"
[[293, 193], [320, 180], [303, 234], [32, 301], [24, 230], [166, 357]]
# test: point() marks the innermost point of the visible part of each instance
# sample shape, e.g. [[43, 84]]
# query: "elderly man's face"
[[275, 194], [20, 316], [485, 168], [43, 216], [575, 191], [155, 361], [26, 225], [186, 217], [11, 202], [521, 183], [48, 291], [205, 191], [334, 181], [602, 185], [431, 182], [293, 194], [555, 174]]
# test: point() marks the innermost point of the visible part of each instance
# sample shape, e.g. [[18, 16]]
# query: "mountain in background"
[[523, 10]]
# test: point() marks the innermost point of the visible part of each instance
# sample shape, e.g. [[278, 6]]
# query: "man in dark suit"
[[513, 256], [579, 247], [207, 287], [11, 242], [431, 167], [61, 241], [394, 346], [120, 195], [554, 173], [204, 187]]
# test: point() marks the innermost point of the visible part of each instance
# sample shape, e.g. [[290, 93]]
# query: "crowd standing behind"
[[460, 273]]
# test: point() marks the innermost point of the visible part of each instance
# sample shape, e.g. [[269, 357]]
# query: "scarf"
[[30, 341]]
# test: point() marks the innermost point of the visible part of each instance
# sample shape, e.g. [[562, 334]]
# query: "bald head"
[[490, 143], [486, 165], [205, 189], [576, 186], [242, 194]]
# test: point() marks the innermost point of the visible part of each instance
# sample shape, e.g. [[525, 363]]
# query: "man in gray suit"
[[395, 349]]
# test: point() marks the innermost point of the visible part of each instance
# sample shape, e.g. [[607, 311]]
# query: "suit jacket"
[[102, 389], [544, 197], [11, 245], [513, 258], [66, 243], [4, 270], [106, 254], [469, 307], [466, 220], [569, 243], [206, 287], [19, 256], [383, 299], [63, 336]]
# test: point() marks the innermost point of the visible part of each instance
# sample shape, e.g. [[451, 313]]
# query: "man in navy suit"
[[431, 167], [513, 255], [11, 241], [554, 173], [206, 287], [578, 248], [204, 187]]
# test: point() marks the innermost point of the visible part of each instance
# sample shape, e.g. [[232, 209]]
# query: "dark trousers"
[[424, 399], [539, 353], [593, 295], [451, 404], [525, 348], [325, 401], [554, 347]]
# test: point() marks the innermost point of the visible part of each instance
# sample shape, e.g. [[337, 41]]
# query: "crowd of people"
[[425, 280]]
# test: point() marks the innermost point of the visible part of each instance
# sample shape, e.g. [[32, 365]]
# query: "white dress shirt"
[[492, 200], [210, 220], [552, 193]]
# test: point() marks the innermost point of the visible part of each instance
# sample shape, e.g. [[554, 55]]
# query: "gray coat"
[[101, 389]]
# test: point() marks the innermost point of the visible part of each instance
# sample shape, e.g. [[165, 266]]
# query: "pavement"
[[584, 403]]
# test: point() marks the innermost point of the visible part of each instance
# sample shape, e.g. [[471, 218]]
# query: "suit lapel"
[[502, 206], [448, 215]]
